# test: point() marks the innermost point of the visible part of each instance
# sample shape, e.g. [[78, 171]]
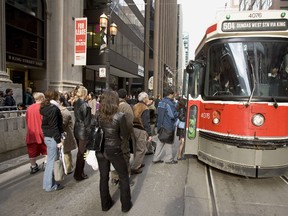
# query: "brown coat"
[[69, 143], [127, 110]]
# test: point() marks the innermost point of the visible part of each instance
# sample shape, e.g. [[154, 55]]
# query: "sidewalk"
[[16, 162]]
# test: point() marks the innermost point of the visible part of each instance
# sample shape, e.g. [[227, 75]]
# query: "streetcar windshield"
[[244, 68]]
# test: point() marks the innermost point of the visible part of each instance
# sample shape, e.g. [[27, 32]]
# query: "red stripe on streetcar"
[[211, 29]]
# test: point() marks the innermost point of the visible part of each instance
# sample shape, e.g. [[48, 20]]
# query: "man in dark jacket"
[[167, 117], [9, 100]]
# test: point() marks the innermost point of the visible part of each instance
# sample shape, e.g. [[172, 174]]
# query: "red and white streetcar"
[[237, 95]]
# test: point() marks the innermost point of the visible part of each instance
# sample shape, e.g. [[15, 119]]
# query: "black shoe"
[[171, 162], [141, 166], [127, 209], [110, 206], [134, 172], [35, 169], [83, 177], [159, 161]]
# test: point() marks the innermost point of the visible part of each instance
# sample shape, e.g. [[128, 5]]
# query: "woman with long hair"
[[181, 109], [52, 130], [115, 129], [82, 113]]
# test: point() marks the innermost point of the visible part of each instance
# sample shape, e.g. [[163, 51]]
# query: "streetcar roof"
[[247, 24]]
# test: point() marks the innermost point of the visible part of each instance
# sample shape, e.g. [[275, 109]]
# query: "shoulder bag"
[[95, 138]]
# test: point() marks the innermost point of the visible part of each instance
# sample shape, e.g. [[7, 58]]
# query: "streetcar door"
[[195, 74]]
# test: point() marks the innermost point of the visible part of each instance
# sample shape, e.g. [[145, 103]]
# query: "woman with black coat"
[[82, 113], [115, 130], [52, 130]]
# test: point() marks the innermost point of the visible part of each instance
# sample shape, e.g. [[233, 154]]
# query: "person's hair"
[[122, 93], [63, 101], [181, 103], [92, 95], [29, 90], [38, 95], [109, 105], [1, 94], [21, 105], [81, 92], [167, 91], [142, 96], [49, 94], [8, 90], [56, 95], [67, 94]]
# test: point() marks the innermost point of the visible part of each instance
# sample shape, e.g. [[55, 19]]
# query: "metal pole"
[[107, 53]]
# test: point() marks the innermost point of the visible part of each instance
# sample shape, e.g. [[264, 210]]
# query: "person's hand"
[[59, 145], [149, 138]]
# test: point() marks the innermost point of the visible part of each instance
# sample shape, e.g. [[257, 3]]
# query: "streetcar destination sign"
[[255, 25]]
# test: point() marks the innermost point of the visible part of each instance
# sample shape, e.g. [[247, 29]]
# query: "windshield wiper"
[[254, 87]]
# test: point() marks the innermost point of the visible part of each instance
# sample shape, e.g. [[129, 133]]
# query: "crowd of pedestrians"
[[130, 126]]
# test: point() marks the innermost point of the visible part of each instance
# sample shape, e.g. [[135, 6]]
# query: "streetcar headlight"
[[258, 120], [216, 117]]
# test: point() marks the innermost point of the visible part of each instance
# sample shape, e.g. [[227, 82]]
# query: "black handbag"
[[165, 135], [95, 139]]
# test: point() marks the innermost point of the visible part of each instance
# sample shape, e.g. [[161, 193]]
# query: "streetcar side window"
[[193, 80]]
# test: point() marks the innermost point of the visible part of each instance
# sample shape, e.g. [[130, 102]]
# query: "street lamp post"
[[106, 36]]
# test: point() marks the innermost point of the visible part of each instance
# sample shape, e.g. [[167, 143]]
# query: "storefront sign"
[[140, 71], [25, 61], [102, 72], [80, 41]]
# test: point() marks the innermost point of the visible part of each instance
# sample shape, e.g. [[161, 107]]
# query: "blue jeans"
[[52, 154]]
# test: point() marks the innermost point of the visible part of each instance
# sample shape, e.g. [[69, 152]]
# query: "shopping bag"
[[90, 157], [59, 167]]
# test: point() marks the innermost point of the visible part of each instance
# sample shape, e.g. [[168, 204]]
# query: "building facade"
[[38, 45]]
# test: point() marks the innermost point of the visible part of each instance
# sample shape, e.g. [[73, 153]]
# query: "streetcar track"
[[285, 179], [211, 191]]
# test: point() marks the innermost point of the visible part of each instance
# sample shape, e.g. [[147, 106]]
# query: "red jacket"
[[33, 124]]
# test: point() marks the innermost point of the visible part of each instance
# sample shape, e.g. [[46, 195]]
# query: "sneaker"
[[35, 169], [57, 188]]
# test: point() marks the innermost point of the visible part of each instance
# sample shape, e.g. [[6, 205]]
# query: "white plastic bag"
[[91, 159]]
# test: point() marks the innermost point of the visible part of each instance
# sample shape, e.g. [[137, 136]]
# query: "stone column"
[[156, 77], [55, 44], [4, 77]]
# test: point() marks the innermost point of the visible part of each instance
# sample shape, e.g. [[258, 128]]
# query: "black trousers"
[[114, 156], [80, 161]]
